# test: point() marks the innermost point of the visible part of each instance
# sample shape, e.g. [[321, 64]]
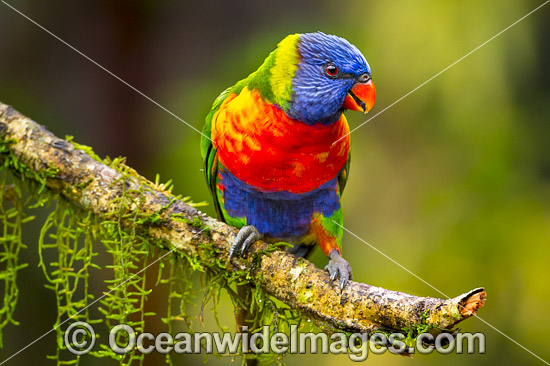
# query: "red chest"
[[261, 146]]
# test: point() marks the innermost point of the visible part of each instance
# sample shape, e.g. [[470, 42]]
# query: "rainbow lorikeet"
[[277, 153]]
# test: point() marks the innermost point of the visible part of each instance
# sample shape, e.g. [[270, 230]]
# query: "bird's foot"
[[247, 236], [339, 267]]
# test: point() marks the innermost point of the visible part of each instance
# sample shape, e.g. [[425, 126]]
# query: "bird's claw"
[[247, 236], [339, 267]]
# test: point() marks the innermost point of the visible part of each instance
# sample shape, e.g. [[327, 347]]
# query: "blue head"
[[331, 75], [313, 77]]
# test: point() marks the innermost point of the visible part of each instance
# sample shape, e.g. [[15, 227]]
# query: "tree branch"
[[92, 185]]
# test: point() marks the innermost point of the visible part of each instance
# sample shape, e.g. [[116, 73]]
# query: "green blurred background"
[[453, 182]]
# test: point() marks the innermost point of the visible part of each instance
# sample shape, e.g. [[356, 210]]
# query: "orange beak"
[[361, 97]]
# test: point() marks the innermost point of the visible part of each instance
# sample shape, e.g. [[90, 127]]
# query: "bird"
[[276, 147]]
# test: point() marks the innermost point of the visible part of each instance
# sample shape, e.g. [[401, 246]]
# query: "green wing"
[[344, 174], [209, 153], [206, 141], [334, 222]]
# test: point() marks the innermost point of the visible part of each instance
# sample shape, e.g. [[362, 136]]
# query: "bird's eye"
[[331, 70], [364, 78]]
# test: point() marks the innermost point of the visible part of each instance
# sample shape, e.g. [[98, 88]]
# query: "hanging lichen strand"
[[69, 233], [176, 273], [11, 219], [124, 302], [266, 310]]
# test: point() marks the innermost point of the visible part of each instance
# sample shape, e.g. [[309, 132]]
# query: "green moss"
[[22, 171], [414, 330], [87, 149]]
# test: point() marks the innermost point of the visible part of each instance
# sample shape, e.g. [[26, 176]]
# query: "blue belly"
[[278, 215]]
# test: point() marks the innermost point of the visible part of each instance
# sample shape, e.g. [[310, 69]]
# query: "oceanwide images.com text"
[[80, 339]]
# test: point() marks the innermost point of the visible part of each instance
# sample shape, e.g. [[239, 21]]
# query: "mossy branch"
[[77, 174]]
